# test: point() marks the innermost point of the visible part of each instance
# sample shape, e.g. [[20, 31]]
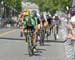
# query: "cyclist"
[[56, 23], [21, 18], [30, 21], [41, 30], [38, 25], [49, 20], [45, 21], [39, 21]]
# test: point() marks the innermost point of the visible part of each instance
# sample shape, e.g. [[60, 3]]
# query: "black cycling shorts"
[[38, 21], [29, 28], [49, 20]]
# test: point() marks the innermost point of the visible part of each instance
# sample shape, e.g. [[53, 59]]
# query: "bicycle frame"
[[55, 32]]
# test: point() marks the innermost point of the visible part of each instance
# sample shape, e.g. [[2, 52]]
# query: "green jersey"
[[30, 20]]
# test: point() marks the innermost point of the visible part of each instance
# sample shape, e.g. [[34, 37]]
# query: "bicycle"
[[29, 41], [48, 32], [42, 36], [55, 32]]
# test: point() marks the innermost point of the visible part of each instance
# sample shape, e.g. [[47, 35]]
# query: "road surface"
[[13, 47]]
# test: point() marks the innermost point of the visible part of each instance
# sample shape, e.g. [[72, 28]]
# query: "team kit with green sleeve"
[[30, 21]]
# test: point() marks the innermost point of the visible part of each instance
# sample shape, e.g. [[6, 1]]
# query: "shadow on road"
[[39, 49], [7, 38], [36, 54], [46, 44], [56, 41]]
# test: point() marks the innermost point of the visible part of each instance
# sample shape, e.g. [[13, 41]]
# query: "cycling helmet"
[[27, 12]]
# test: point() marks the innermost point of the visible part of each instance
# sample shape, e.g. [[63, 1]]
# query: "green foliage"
[[0, 1], [18, 6], [9, 2], [52, 5]]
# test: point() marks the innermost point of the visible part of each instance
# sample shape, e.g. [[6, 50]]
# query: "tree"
[[18, 6], [8, 5], [11, 5], [52, 5]]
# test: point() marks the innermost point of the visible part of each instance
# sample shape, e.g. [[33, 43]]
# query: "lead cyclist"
[[31, 17]]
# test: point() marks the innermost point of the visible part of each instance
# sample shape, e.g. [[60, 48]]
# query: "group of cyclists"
[[32, 21], [35, 22]]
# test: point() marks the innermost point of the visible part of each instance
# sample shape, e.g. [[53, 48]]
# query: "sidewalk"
[[2, 30]]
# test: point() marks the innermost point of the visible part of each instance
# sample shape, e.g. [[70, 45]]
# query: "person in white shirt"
[[71, 26]]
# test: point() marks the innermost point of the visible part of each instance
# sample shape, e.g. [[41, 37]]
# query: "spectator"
[[71, 26]]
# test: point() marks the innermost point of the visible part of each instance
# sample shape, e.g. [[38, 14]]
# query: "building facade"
[[30, 6]]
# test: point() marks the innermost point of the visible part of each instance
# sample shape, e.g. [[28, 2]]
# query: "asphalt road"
[[13, 47], [5, 29]]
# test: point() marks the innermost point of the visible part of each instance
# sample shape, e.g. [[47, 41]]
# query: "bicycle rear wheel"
[[55, 32], [30, 50], [42, 36], [55, 35]]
